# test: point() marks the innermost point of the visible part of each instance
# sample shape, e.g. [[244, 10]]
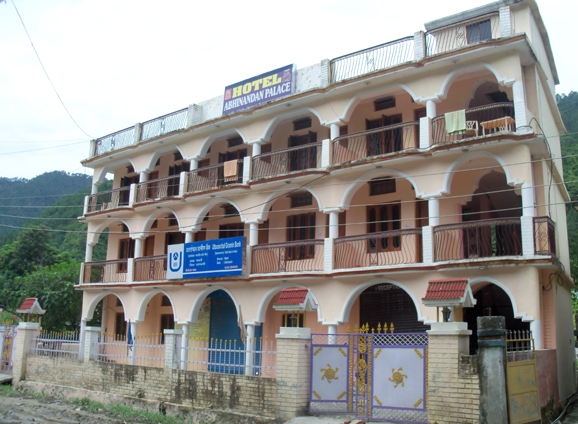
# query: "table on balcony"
[[497, 125]]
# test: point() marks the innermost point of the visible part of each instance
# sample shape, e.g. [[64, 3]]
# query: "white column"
[[427, 244], [249, 349], [425, 132], [132, 195], [94, 188], [85, 208], [183, 183], [189, 236], [138, 246], [536, 329], [172, 348], [184, 346], [143, 176], [328, 254], [332, 332], [253, 233], [326, 149], [430, 109], [130, 270], [137, 132], [132, 350], [90, 342], [256, 149], [88, 252], [434, 211], [505, 21], [520, 107], [527, 200], [81, 339], [246, 169], [194, 164], [334, 224], [334, 131], [419, 50]]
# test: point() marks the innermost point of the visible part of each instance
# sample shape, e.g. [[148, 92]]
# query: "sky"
[[115, 63]]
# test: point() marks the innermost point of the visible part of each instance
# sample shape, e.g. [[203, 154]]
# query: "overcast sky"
[[118, 62]]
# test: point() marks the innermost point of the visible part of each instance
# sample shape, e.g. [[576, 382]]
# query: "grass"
[[7, 390]]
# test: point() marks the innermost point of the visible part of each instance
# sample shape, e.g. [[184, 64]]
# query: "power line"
[[46, 73], [42, 148]]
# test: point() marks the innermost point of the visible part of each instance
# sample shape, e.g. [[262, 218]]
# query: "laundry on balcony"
[[230, 170], [456, 122]]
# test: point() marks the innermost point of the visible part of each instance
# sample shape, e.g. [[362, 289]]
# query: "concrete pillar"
[[425, 132], [132, 195], [183, 183], [520, 107], [293, 359], [249, 349], [172, 348], [246, 169], [334, 224], [419, 46], [85, 207], [90, 342], [143, 176], [505, 21], [430, 109], [253, 233], [88, 252], [527, 200], [427, 245], [334, 131], [81, 340], [194, 164], [256, 149], [137, 133], [492, 368], [94, 188], [434, 211], [189, 236], [132, 348], [184, 346], [326, 153], [328, 254], [138, 246], [23, 341], [536, 329], [332, 332], [453, 389]]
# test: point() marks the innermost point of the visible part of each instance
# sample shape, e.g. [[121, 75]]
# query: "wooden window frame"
[[299, 228], [384, 103], [379, 186], [301, 124], [235, 141], [125, 251], [120, 324], [375, 216], [474, 32], [300, 199], [236, 229]]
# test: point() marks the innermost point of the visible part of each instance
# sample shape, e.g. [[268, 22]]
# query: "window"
[[232, 142], [341, 226], [480, 31], [149, 246], [386, 103], [167, 323], [173, 221], [304, 158], [118, 301], [292, 320], [201, 235], [231, 230], [155, 224], [263, 237], [301, 124], [129, 169], [230, 210], [120, 324], [165, 301], [173, 238], [301, 199], [125, 251], [379, 186], [177, 156], [343, 130], [384, 218], [300, 227], [204, 163], [386, 141]]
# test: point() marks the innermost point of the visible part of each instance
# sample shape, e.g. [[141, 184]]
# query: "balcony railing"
[[159, 188], [293, 159], [466, 33], [478, 239], [481, 120], [372, 59], [213, 177], [164, 124], [114, 271], [150, 268], [377, 142], [291, 256], [544, 236], [114, 141], [379, 249], [107, 200]]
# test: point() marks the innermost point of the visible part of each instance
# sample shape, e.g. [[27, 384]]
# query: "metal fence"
[[159, 188], [114, 141], [478, 239], [372, 59], [293, 159], [150, 268], [519, 345], [379, 249], [227, 356], [212, 177], [107, 200], [105, 271], [291, 256], [481, 120], [164, 124], [465, 33], [544, 236], [55, 344], [145, 350], [377, 142]]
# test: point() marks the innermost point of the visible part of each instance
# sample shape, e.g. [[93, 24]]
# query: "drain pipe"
[[571, 399]]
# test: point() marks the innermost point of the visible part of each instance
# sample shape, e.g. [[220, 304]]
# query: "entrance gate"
[[7, 338], [376, 376]]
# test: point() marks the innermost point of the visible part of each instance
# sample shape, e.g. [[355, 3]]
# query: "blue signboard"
[[211, 258]]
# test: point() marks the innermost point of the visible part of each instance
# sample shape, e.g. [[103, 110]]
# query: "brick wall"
[[239, 393], [453, 382], [292, 377]]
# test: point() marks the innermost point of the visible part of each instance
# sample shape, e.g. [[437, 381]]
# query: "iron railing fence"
[[481, 120], [280, 162], [228, 356], [544, 236], [145, 350], [465, 33], [378, 142], [519, 345], [383, 248], [8, 334], [159, 188], [373, 59], [291, 256], [478, 239], [114, 271], [150, 268], [107, 200], [56, 344], [212, 177], [164, 124], [114, 141]]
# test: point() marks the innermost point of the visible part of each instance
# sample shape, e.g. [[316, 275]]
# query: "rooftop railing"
[[164, 124], [114, 141], [373, 59]]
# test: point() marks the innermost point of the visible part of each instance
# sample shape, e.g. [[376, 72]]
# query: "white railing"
[[227, 356], [145, 351], [55, 344]]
